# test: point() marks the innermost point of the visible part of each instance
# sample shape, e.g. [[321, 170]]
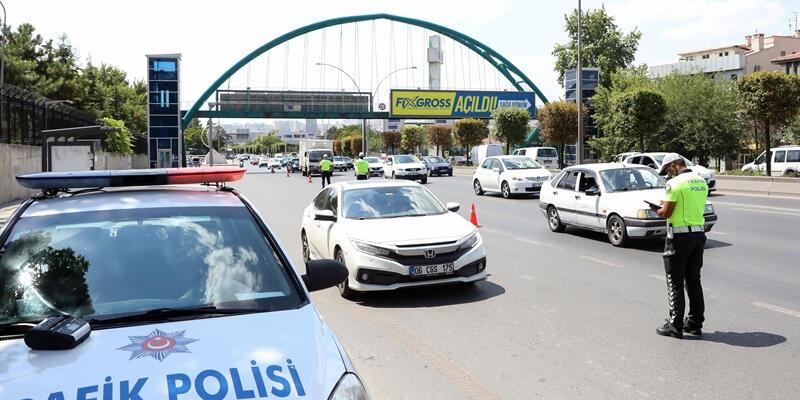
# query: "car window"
[[487, 164], [587, 182], [780, 156], [321, 201], [521, 163], [569, 181], [405, 159], [333, 201], [390, 202], [557, 178], [372, 159], [115, 262], [520, 152], [548, 152], [626, 179], [793, 156], [646, 160]]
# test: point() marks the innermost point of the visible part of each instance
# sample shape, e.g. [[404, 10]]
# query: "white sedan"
[[653, 160], [609, 198], [391, 234], [509, 175]]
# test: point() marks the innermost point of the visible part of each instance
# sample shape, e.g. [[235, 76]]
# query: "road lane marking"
[[462, 380], [779, 309], [602, 262], [659, 277], [522, 239], [767, 211], [719, 233], [757, 206]]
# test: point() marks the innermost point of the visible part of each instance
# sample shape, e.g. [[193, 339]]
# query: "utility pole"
[[579, 92], [210, 137]]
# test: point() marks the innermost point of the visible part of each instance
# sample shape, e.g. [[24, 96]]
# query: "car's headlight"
[[370, 249], [469, 241], [516, 178], [711, 175], [647, 214], [349, 388], [709, 209]]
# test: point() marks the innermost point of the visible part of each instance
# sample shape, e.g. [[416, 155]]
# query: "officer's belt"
[[688, 229]]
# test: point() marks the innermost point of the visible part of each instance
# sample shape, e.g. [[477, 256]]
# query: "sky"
[[213, 35]]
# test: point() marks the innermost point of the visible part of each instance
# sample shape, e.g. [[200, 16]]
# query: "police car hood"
[[409, 230], [286, 354]]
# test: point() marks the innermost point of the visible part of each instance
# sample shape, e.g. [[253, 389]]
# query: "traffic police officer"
[[325, 167], [362, 168], [683, 207]]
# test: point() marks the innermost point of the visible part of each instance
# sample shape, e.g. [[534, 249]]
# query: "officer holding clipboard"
[[683, 208]]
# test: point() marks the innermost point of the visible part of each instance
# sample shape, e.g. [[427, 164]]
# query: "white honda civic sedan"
[[609, 198], [390, 235]]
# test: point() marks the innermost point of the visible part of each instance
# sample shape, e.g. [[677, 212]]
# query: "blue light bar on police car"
[[129, 177]]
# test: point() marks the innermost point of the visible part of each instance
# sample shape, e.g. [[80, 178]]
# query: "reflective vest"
[[325, 165], [362, 167], [688, 191]]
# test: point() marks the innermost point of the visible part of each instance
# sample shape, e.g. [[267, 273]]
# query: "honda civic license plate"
[[438, 269]]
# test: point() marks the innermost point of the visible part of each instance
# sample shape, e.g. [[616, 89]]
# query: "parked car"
[[391, 235], [459, 160], [785, 161], [348, 162], [339, 164], [547, 156], [509, 176], [608, 198], [653, 160], [437, 166], [405, 166]]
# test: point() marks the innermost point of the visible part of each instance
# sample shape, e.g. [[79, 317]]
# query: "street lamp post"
[[210, 136], [388, 75], [579, 92], [364, 136]]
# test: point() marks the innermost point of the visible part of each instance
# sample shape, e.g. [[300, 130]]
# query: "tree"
[[511, 125], [392, 140], [356, 145], [559, 123], [470, 132], [412, 136], [440, 136], [770, 98], [604, 45], [119, 140], [337, 147], [193, 138], [639, 114]]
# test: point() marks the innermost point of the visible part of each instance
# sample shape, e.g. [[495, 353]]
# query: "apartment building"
[[730, 62]]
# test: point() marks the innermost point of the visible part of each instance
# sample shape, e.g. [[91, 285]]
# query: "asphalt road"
[[568, 316]]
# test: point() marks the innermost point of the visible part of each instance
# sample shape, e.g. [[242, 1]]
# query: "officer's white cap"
[[669, 158]]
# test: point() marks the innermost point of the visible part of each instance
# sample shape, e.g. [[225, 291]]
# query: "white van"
[[547, 156], [785, 160], [480, 153]]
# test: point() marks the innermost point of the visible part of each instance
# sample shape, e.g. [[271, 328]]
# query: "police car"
[[609, 198], [159, 293]]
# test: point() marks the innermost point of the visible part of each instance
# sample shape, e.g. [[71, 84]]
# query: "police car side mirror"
[[322, 274], [325, 215], [593, 192], [452, 206]]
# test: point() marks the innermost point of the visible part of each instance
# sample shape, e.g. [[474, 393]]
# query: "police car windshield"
[[390, 202], [101, 264], [627, 179]]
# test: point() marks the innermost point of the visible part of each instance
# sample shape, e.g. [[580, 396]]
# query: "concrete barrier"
[[759, 185]]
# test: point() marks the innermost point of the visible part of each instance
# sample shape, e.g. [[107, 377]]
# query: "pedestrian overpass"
[[352, 102]]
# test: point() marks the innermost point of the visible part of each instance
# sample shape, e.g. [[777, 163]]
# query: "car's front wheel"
[[505, 190], [617, 232], [424, 180], [477, 186], [344, 287], [554, 220]]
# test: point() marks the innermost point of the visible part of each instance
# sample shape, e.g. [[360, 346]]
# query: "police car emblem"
[[158, 344]]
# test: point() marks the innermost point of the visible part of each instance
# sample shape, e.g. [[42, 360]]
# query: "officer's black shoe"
[[690, 328], [669, 330]]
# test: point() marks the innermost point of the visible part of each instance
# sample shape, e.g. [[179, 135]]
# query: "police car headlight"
[[647, 214], [370, 249], [709, 209], [469, 241], [349, 388]]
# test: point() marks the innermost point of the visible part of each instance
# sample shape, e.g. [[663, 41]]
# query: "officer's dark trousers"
[[683, 258], [326, 175]]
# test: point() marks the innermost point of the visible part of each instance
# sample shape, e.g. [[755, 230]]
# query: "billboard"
[[456, 103]]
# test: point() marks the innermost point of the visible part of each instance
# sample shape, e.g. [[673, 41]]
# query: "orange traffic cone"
[[309, 177], [473, 217]]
